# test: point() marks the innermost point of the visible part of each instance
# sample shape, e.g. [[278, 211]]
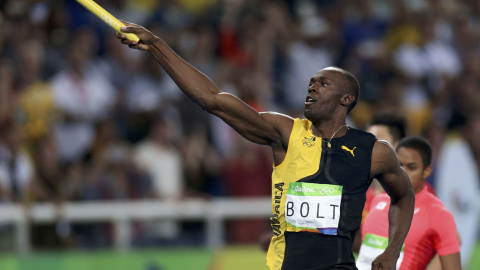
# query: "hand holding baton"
[[107, 18]]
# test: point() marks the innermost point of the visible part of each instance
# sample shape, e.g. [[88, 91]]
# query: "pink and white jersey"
[[433, 231]]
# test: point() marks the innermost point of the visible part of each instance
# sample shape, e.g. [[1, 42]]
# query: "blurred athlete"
[[433, 229], [390, 127], [322, 168]]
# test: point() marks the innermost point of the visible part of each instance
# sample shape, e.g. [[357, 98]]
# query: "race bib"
[[372, 246], [313, 208]]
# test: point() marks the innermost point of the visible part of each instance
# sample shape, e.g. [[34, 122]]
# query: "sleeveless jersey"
[[318, 194]]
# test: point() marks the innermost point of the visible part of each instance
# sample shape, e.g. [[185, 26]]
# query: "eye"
[[324, 84]]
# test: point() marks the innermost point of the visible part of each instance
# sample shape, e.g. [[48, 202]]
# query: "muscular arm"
[[262, 128], [386, 168]]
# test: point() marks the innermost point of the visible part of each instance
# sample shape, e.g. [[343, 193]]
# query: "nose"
[[311, 88]]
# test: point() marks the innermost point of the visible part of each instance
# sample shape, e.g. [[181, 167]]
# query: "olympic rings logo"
[[326, 190], [108, 20]]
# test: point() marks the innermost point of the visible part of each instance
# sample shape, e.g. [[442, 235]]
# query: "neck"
[[329, 129], [419, 188]]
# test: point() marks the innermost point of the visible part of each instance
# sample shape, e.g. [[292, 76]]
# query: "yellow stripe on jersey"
[[302, 160]]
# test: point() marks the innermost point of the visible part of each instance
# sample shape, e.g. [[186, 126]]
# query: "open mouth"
[[309, 100]]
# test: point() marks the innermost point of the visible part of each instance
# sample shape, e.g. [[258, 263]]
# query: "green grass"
[[230, 258], [240, 258], [475, 263], [173, 259]]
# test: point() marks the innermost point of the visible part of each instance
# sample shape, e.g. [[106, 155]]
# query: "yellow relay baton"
[[106, 17]]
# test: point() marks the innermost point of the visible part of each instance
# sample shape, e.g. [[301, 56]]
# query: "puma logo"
[[346, 149]]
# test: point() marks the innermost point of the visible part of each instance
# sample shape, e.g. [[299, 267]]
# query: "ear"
[[427, 171], [347, 99]]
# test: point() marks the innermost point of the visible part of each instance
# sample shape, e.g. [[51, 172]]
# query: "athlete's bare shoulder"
[[282, 123], [384, 158], [385, 143]]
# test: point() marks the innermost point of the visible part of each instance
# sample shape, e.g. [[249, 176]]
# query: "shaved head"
[[351, 85]]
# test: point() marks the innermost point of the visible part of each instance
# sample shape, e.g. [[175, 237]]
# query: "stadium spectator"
[[83, 95]]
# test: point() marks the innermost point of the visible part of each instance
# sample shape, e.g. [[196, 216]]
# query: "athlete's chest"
[[342, 162]]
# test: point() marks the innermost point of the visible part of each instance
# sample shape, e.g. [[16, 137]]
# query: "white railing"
[[213, 212]]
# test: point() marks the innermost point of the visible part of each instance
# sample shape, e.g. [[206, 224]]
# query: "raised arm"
[[386, 168], [262, 128]]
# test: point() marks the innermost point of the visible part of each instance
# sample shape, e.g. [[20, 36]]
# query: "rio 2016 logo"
[[326, 190], [108, 20]]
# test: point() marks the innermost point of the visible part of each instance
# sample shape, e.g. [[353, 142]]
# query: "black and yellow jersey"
[[318, 194]]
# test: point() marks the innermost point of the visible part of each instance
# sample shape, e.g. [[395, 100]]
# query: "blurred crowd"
[[83, 118]]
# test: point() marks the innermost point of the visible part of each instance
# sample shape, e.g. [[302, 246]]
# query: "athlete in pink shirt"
[[433, 229]]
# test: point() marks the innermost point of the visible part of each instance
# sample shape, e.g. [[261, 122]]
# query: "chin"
[[309, 114], [306, 113]]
